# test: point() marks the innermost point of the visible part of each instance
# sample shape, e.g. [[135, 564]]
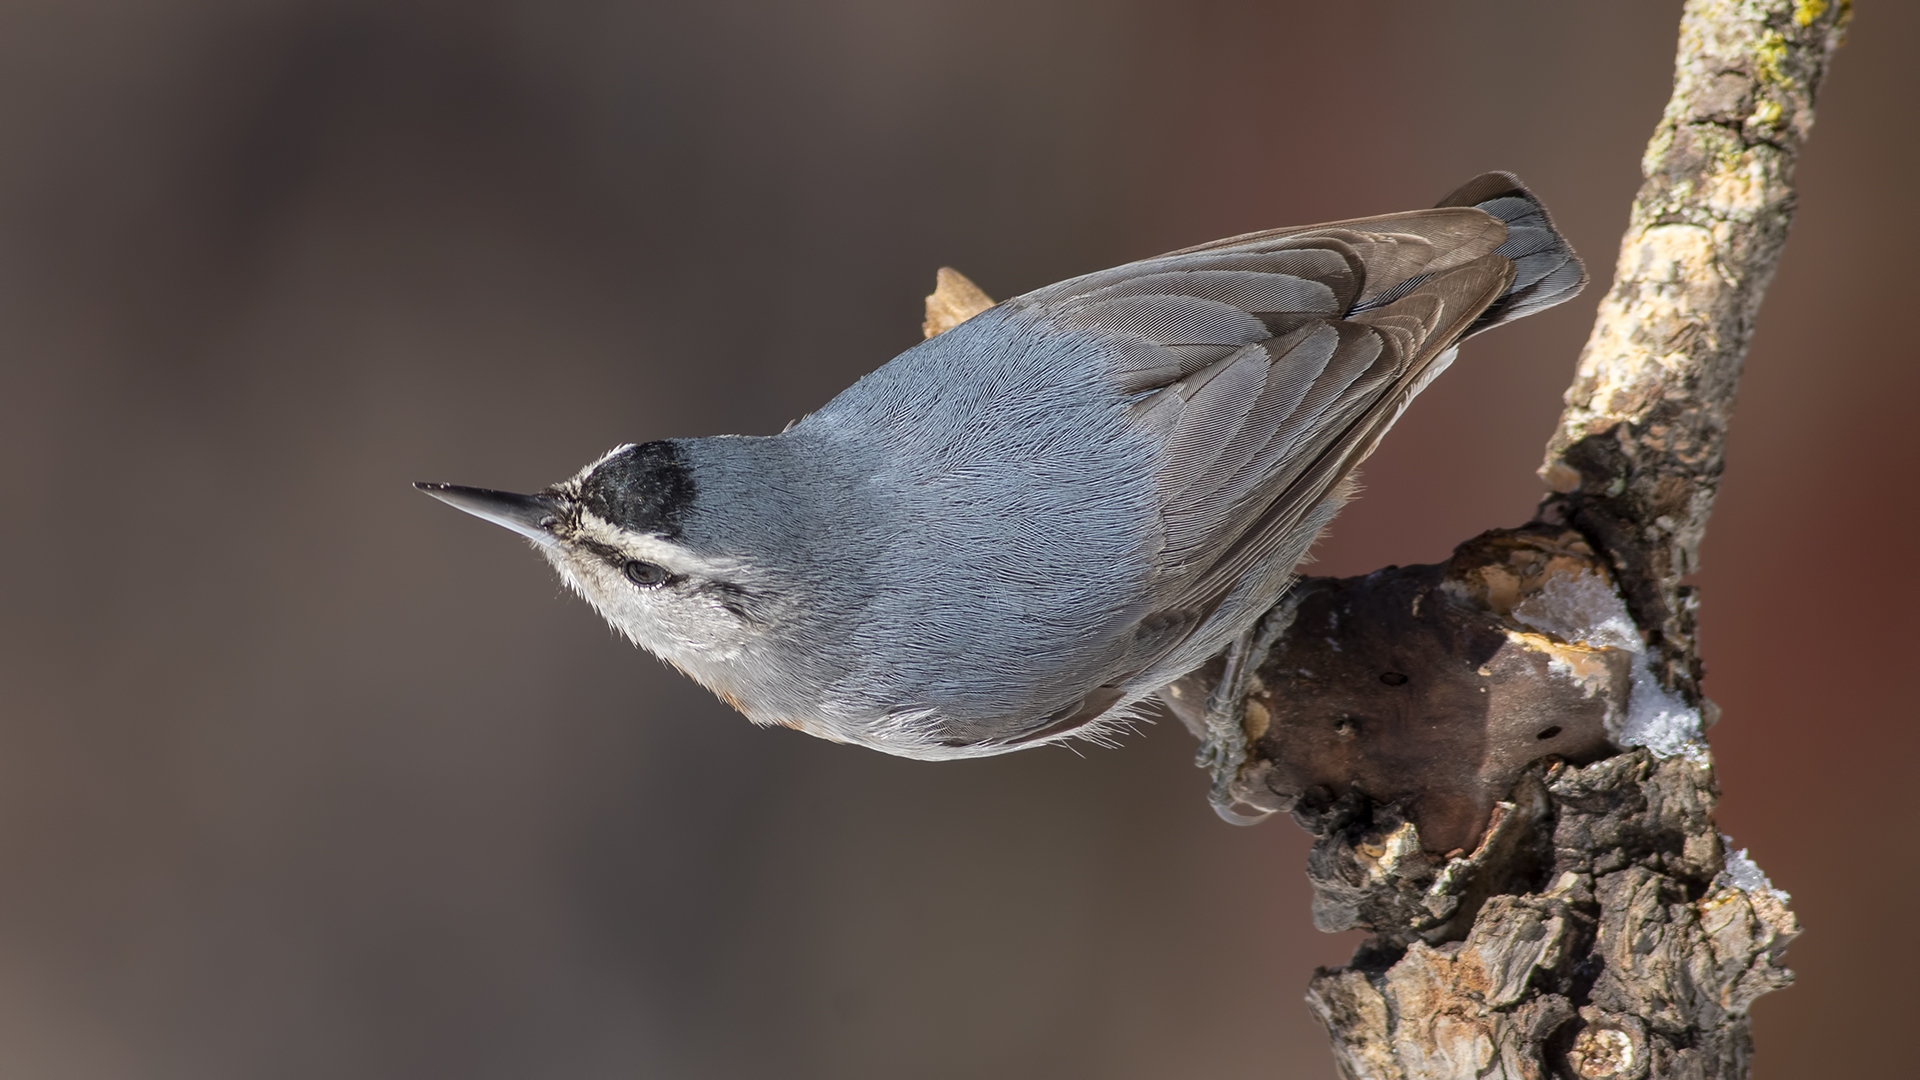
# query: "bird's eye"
[[645, 574]]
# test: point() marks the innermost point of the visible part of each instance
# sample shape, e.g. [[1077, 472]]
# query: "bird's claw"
[[1224, 749]]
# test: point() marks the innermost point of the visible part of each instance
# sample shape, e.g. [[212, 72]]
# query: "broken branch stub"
[[953, 301], [1425, 688]]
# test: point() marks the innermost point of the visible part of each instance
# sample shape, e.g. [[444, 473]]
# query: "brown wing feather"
[[1260, 430], [1270, 365], [1271, 512]]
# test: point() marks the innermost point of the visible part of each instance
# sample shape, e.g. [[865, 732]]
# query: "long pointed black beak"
[[532, 516]]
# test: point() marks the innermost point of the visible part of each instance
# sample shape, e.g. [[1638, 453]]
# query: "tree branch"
[[1499, 756], [1638, 452]]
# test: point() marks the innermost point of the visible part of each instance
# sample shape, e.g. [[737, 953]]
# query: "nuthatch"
[[1019, 530]]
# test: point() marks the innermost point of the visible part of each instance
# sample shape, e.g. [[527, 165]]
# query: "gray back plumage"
[[1072, 499]]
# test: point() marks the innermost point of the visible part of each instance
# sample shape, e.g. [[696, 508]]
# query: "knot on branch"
[[1502, 792], [1429, 690]]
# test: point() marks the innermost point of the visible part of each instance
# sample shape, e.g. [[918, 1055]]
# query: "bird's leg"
[[1225, 748]]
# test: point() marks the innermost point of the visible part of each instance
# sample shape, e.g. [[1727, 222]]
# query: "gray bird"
[[1018, 531]]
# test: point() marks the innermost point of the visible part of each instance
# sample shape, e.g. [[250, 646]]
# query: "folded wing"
[[1268, 366]]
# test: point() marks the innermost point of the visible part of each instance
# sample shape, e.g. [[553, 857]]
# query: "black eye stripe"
[[645, 574]]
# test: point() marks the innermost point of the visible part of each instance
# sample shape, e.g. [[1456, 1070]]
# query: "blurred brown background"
[[303, 775]]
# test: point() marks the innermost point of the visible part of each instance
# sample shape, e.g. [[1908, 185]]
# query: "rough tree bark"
[[1500, 757]]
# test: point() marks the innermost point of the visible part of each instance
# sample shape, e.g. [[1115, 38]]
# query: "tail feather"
[[1546, 271]]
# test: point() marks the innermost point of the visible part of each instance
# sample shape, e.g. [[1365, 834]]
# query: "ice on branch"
[[1584, 609]]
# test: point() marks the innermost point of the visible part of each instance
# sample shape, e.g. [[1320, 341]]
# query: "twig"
[[1638, 452]]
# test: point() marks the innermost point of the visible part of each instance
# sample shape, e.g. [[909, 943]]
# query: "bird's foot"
[[1224, 749]]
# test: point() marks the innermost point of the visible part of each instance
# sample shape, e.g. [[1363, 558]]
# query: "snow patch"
[[1585, 610], [1744, 874], [1582, 609]]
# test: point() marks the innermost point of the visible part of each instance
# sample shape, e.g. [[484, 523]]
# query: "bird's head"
[[616, 532]]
